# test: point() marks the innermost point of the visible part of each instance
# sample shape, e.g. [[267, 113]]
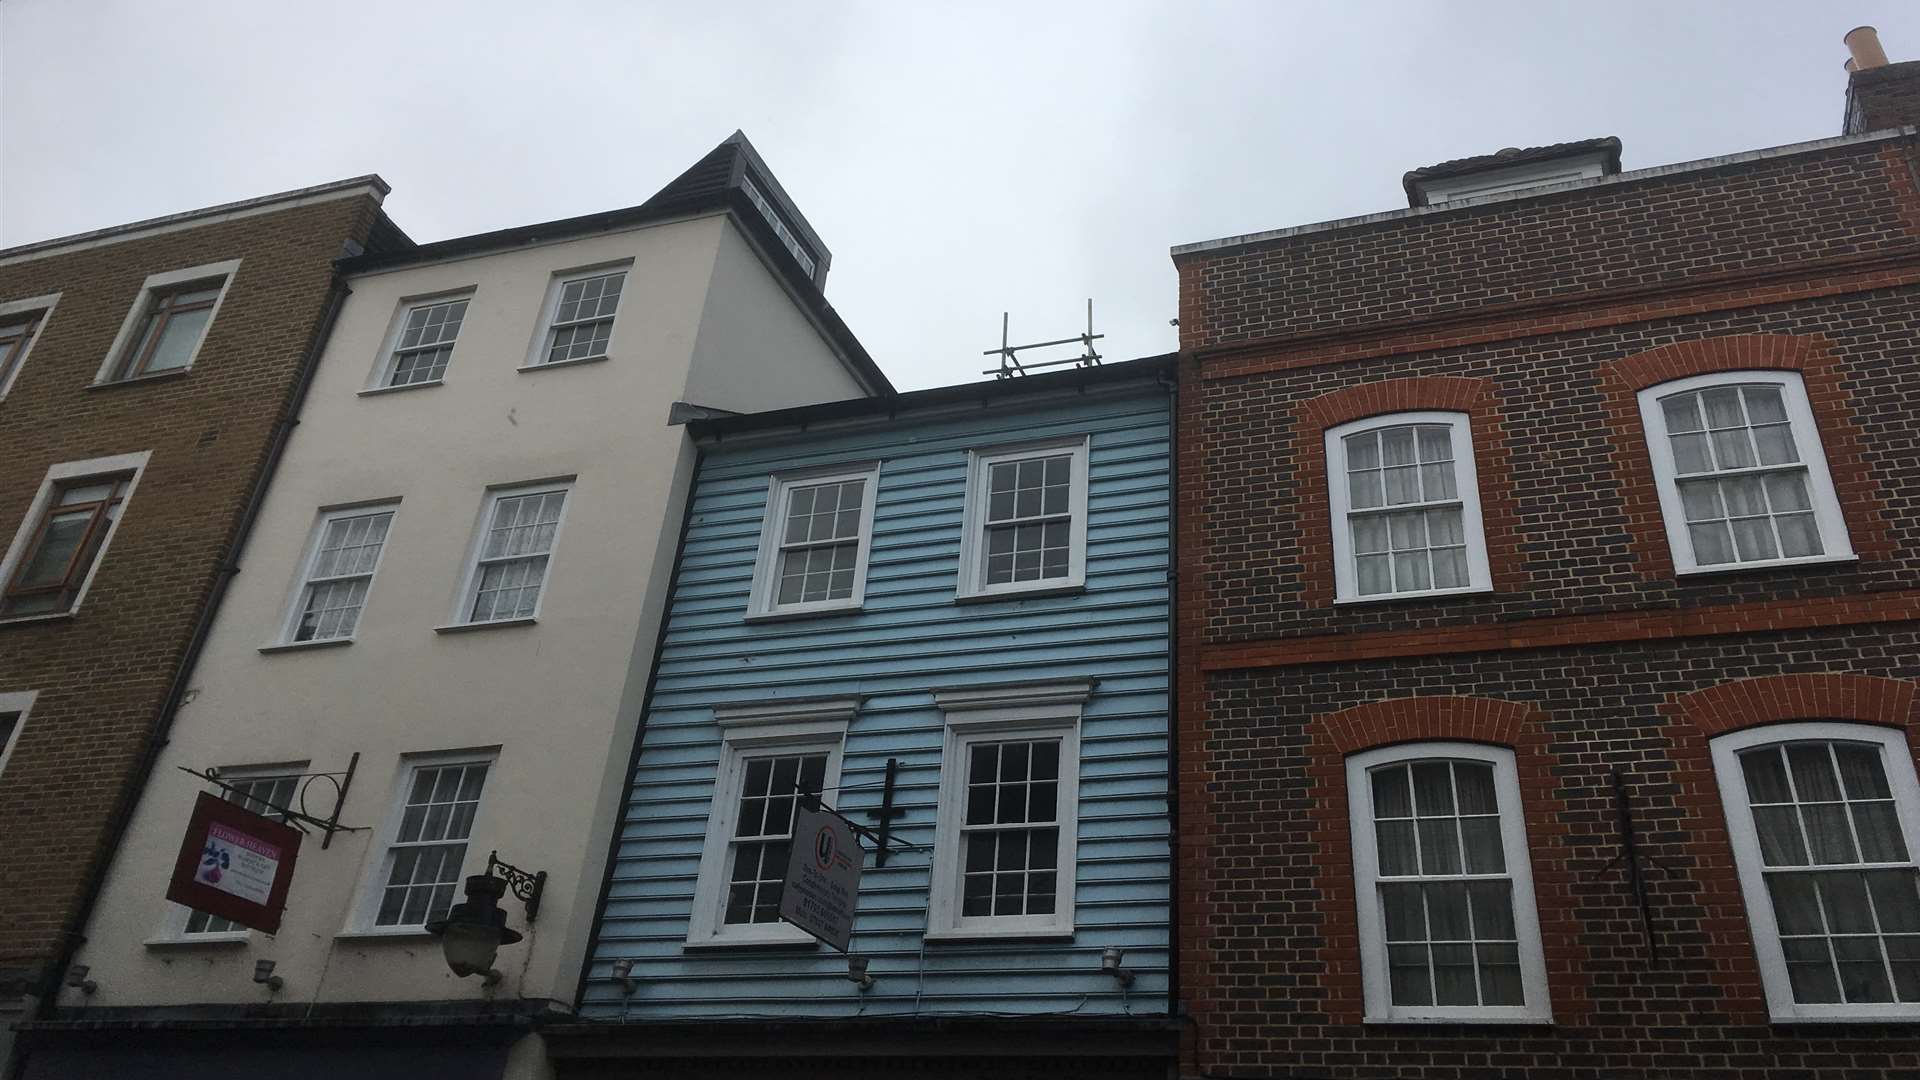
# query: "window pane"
[[1711, 543], [1810, 971], [1682, 412], [1363, 451], [1439, 847], [50, 561], [1473, 782], [1433, 787], [1780, 841], [1363, 490], [1407, 972], [1827, 834], [1796, 904], [1799, 536], [1492, 910], [1764, 404], [1394, 843], [1766, 775], [1374, 574], [1690, 454], [1396, 446], [1403, 911], [1453, 975], [1813, 772], [177, 338], [1485, 854], [1774, 445], [1878, 826], [1896, 900], [1861, 772], [1500, 975], [1390, 794]]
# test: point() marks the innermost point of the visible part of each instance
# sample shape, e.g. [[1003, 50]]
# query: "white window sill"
[[297, 646], [1427, 594], [496, 624], [1768, 564], [785, 941], [563, 363], [50, 616], [134, 380], [1460, 1021], [1906, 1016], [783, 614], [227, 939], [952, 937], [398, 933], [373, 391], [1043, 589]]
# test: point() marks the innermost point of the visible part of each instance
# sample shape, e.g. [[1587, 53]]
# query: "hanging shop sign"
[[822, 886], [234, 863]]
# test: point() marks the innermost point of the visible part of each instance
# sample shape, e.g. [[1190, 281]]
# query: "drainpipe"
[[74, 934]]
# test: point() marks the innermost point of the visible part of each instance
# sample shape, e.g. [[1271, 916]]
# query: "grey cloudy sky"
[[960, 159]]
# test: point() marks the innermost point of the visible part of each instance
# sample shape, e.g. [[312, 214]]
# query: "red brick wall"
[[1839, 204], [1540, 318], [102, 674]]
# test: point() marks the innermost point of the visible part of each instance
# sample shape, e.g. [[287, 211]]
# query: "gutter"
[[73, 935]]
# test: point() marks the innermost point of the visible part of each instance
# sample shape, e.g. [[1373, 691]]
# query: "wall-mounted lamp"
[[857, 973], [623, 974], [474, 930], [1110, 958], [77, 979], [263, 974]]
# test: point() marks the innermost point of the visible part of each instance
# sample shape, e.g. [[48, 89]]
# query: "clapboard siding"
[[910, 639]]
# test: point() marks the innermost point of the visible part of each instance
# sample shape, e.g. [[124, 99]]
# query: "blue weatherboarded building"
[[952, 606]]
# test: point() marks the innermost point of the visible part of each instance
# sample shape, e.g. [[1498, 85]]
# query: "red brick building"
[[1567, 513], [148, 374]]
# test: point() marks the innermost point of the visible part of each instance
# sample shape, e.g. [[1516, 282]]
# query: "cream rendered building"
[[453, 586]]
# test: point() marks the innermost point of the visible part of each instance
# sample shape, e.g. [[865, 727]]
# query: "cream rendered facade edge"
[[552, 702]]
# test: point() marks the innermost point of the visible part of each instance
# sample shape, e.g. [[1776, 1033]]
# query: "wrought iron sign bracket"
[[302, 819], [882, 838], [527, 887], [1630, 858]]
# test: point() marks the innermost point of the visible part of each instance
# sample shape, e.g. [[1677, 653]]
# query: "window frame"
[[762, 602], [747, 732], [173, 928], [131, 466], [20, 704], [111, 369], [972, 583], [1467, 488], [1743, 837], [373, 879], [471, 575], [380, 381], [994, 714], [541, 346], [40, 309], [1834, 535], [310, 556], [1377, 989]]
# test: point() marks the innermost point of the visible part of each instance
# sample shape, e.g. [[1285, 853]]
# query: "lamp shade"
[[473, 931]]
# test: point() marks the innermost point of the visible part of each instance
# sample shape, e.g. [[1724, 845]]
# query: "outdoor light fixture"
[[623, 974], [857, 972], [263, 974], [1110, 963], [473, 931], [77, 978]]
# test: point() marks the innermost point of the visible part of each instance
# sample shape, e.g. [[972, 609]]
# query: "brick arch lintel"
[[1432, 718], [1446, 393], [1702, 356], [1773, 699]]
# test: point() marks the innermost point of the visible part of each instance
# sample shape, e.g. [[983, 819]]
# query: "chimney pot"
[[1864, 43]]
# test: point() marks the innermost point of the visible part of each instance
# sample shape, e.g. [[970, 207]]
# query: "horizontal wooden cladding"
[[909, 639], [1595, 629]]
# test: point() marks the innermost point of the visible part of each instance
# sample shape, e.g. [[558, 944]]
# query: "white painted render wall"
[[559, 699]]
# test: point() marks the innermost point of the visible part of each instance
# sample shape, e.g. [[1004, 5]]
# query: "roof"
[[1386, 217], [388, 234], [718, 182], [1511, 156], [984, 392]]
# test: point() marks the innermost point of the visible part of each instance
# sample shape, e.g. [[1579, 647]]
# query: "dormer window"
[[1512, 169]]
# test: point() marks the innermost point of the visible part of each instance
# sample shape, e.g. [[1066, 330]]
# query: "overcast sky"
[[959, 159]]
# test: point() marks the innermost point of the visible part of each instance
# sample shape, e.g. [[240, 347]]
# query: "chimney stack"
[[1880, 95], [1864, 43]]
